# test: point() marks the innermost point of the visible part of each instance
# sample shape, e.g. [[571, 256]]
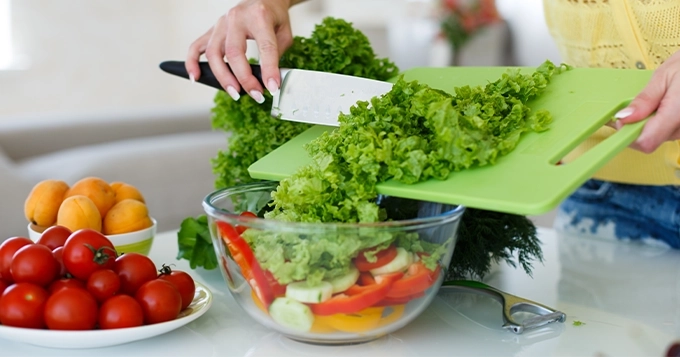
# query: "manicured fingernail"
[[623, 113], [259, 98], [618, 125], [192, 78], [233, 93], [272, 87]]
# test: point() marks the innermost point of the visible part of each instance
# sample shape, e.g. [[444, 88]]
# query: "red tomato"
[[87, 250], [7, 250], [134, 270], [382, 257], [182, 282], [34, 263], [65, 283], [3, 285], [240, 229], [59, 257], [159, 300], [103, 284], [54, 237], [120, 311], [22, 305], [71, 309]]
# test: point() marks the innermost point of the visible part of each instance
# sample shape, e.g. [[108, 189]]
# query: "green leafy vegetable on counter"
[[501, 236], [195, 244], [578, 323], [406, 151]]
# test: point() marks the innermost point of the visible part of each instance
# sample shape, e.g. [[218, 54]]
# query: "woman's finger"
[[215, 54], [196, 49], [235, 51], [646, 102], [268, 47], [662, 126]]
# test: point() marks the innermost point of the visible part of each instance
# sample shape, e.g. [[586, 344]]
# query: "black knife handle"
[[207, 77]]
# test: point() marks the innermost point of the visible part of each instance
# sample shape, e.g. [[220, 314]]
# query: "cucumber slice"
[[302, 292], [400, 263], [292, 314], [343, 283]]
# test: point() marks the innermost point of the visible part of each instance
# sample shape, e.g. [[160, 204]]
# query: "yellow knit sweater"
[[620, 34]]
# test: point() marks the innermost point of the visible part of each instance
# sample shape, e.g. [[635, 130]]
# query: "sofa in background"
[[166, 153]]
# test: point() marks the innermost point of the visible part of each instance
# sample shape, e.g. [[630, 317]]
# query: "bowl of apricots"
[[116, 209]]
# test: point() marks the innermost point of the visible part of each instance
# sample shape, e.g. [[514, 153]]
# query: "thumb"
[[644, 103]]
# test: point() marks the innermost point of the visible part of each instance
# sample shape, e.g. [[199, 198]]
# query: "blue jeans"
[[649, 214]]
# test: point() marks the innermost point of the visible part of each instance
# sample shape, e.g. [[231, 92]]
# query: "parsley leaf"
[[195, 244]]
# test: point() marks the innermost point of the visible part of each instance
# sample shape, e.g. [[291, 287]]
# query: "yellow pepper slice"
[[362, 321]]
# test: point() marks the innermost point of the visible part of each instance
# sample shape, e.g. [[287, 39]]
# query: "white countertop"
[[628, 296]]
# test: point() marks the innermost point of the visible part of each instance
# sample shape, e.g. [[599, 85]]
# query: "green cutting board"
[[527, 180]]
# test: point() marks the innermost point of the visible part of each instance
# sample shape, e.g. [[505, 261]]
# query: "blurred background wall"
[[71, 56]]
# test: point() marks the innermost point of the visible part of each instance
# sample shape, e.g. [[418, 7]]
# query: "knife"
[[305, 96]]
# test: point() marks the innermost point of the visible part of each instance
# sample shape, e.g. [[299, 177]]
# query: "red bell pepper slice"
[[361, 297], [416, 280], [388, 301], [382, 257], [244, 257]]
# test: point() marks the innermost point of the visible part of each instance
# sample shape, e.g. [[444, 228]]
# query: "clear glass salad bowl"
[[331, 283]]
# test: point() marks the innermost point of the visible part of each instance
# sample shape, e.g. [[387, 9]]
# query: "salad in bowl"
[[331, 283]]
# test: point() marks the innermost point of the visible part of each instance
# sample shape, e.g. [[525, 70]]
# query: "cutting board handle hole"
[[597, 142]]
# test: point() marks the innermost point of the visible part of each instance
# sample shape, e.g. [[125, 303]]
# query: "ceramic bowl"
[[138, 241]]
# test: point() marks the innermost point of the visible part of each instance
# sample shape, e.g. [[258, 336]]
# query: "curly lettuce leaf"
[[410, 134]]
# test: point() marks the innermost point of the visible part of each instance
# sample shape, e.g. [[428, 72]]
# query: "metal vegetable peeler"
[[511, 304]]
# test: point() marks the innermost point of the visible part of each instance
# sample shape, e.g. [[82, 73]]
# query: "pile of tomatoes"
[[77, 281]]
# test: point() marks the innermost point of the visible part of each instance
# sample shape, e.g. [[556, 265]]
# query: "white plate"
[[103, 338]]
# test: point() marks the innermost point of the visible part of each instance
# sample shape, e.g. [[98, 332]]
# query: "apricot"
[[97, 190], [79, 212], [115, 184], [126, 216], [42, 204], [125, 191]]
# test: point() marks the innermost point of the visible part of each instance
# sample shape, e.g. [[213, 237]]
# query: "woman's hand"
[[662, 94], [265, 21]]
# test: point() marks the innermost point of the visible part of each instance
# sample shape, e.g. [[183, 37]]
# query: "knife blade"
[[305, 96]]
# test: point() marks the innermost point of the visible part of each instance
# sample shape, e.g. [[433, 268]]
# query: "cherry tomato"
[[240, 229], [103, 284], [183, 283], [159, 300], [22, 305], [34, 263], [65, 283], [134, 270], [120, 311], [59, 257], [87, 250], [71, 309], [3, 285], [381, 258], [54, 237], [7, 250]]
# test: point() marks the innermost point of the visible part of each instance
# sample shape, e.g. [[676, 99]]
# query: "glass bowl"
[[313, 283]]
